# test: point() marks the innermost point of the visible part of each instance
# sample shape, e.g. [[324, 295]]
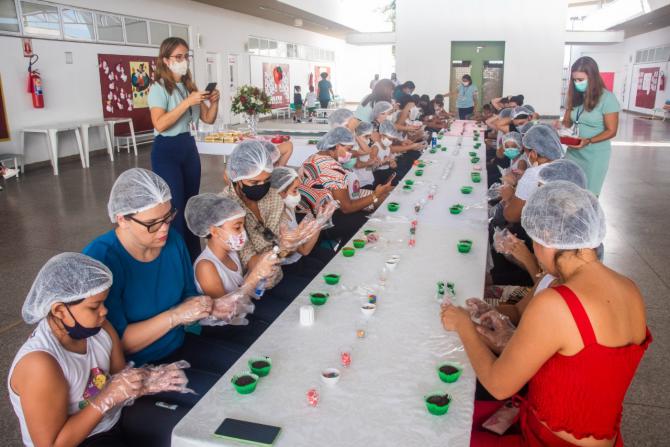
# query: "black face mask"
[[255, 192], [79, 332]]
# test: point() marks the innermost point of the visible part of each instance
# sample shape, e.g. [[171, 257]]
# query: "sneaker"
[[9, 173]]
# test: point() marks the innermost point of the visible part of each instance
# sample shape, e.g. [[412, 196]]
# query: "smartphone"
[[210, 87], [391, 177], [247, 432]]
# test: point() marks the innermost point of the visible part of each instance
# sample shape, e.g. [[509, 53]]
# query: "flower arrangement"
[[250, 100]]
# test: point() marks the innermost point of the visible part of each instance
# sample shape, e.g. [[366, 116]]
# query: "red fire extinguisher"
[[661, 83], [35, 84]]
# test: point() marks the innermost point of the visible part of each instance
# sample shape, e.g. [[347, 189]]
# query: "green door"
[[484, 62]]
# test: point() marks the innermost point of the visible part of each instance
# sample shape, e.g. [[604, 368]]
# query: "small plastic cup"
[[359, 243], [474, 160], [466, 189], [473, 154], [407, 188], [319, 298], [444, 148], [245, 387], [433, 150], [368, 309], [348, 252], [331, 278], [409, 182], [260, 366], [330, 376], [437, 403], [393, 207], [418, 172], [449, 372], [421, 164], [464, 246], [368, 231], [456, 209], [478, 145], [476, 177]]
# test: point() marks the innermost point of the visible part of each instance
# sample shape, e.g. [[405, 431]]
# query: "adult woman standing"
[[176, 105], [595, 112], [466, 100]]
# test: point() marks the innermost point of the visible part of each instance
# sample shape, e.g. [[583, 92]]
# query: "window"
[[40, 19], [78, 24], [110, 28], [8, 18], [158, 32], [254, 45], [179, 31], [291, 50], [136, 31], [264, 47]]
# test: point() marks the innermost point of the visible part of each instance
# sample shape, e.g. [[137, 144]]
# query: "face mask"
[[414, 113], [581, 86], [349, 164], [292, 201], [465, 84], [343, 160], [386, 142], [236, 241], [179, 68], [79, 332], [255, 192], [512, 152]]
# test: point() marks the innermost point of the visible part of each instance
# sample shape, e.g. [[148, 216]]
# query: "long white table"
[[379, 398], [301, 149]]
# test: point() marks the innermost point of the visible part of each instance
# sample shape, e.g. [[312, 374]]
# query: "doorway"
[[484, 62]]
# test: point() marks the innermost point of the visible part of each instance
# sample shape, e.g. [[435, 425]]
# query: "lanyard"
[[579, 113], [183, 98]]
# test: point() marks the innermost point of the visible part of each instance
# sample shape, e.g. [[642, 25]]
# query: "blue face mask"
[[350, 164], [79, 332], [512, 152], [581, 86]]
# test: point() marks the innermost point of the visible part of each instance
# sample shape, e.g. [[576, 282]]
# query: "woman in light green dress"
[[595, 112]]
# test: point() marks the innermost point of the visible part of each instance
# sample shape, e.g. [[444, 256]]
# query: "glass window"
[[110, 28], [159, 32], [264, 47], [8, 19], [78, 24], [136, 30], [302, 52], [179, 31], [254, 45], [40, 20]]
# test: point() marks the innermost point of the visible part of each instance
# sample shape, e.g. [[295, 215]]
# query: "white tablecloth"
[[301, 149], [379, 398]]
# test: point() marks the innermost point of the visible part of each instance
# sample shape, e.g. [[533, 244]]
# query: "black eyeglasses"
[[157, 224]]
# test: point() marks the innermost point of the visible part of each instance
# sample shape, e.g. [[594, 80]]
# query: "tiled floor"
[[42, 215]]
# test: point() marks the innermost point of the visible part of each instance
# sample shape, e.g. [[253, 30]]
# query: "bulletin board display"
[[4, 123], [124, 84], [647, 85], [276, 84]]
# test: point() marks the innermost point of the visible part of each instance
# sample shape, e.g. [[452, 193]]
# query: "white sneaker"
[[9, 173]]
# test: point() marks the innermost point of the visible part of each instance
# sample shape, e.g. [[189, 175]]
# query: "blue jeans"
[[176, 160], [464, 112]]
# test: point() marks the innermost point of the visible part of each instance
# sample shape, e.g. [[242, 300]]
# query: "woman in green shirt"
[[176, 105], [595, 112]]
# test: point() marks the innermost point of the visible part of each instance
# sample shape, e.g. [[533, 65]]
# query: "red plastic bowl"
[[571, 141]]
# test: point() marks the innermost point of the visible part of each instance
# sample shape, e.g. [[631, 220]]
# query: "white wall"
[[534, 43], [620, 58], [73, 91]]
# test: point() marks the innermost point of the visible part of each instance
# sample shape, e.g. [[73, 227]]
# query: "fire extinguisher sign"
[[27, 47]]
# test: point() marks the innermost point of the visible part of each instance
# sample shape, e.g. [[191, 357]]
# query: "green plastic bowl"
[[476, 177], [393, 206], [435, 409], [331, 278], [456, 209], [407, 188], [444, 148], [260, 371], [474, 160], [409, 182], [449, 377], [472, 153], [464, 246], [248, 388], [418, 172], [366, 232], [433, 150], [359, 243], [466, 189], [348, 252], [478, 145], [318, 298], [421, 164]]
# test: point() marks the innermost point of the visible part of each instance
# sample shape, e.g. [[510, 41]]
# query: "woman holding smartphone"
[[176, 105]]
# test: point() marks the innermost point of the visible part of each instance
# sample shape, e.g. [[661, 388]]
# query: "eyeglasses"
[[157, 224], [181, 57]]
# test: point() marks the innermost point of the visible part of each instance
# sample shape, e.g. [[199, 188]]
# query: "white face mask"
[[236, 241], [386, 142], [414, 113], [292, 201], [179, 68]]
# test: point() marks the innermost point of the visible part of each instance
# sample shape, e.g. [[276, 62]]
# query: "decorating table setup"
[[360, 357]]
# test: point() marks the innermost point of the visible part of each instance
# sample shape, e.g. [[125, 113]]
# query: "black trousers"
[[345, 225]]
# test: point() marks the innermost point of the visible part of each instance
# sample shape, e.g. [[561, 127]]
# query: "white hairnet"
[[248, 159], [524, 128], [338, 135], [65, 278], [505, 113], [136, 190], [512, 136], [387, 128], [530, 108], [544, 140], [339, 118], [381, 107], [364, 129], [282, 178], [521, 110], [273, 150], [210, 210], [562, 169], [564, 216]]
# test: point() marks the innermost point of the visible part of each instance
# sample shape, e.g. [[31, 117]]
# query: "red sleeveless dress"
[[580, 394]]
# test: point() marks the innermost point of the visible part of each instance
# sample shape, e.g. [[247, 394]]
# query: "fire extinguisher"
[[35, 84], [661, 82]]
